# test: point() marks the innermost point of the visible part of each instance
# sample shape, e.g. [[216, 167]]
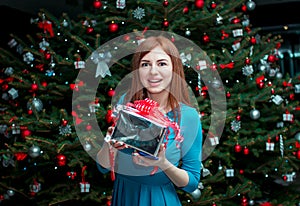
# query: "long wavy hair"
[[178, 89]]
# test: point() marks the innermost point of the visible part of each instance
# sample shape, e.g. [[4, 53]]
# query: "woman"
[[158, 70]]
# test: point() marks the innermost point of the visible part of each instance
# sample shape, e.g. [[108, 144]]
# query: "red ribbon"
[[227, 66], [47, 27], [82, 174]]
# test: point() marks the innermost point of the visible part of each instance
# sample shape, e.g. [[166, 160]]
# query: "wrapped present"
[[79, 64], [13, 93], [287, 116], [35, 187], [270, 146], [139, 132], [237, 32], [214, 141], [85, 187], [229, 172]]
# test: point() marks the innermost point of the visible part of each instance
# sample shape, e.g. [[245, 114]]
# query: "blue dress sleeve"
[[191, 147]]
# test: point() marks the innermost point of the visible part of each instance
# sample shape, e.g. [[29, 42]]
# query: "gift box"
[[139, 132], [35, 187], [85, 187]]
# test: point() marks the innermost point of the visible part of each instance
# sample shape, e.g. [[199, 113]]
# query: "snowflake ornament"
[[235, 125], [247, 70], [138, 13], [65, 130]]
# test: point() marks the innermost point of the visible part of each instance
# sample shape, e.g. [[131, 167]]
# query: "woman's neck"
[[162, 99]]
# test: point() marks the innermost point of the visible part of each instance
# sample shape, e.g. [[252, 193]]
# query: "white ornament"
[[139, 13], [247, 70], [229, 172], [237, 32], [270, 146], [236, 45], [214, 141], [202, 64], [79, 64], [85, 186], [120, 4], [277, 99], [297, 88], [13, 93]]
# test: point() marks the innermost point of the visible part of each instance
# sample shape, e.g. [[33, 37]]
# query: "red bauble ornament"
[[111, 92], [44, 84], [108, 116], [235, 20], [237, 148], [47, 55], [205, 38], [34, 87], [89, 30], [165, 23], [213, 5], [284, 177], [185, 10], [244, 8], [165, 3], [61, 160], [228, 94], [261, 85], [126, 37], [247, 61], [64, 122], [25, 133], [199, 4], [88, 127], [241, 171], [271, 58], [113, 27], [244, 201], [246, 150], [253, 40], [29, 111], [97, 4], [238, 117], [298, 154]]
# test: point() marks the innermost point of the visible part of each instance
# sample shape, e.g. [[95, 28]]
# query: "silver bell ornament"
[[250, 5], [34, 151], [35, 104], [216, 83], [87, 146], [254, 114], [196, 194]]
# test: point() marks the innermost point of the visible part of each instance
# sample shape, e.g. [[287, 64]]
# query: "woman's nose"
[[153, 69]]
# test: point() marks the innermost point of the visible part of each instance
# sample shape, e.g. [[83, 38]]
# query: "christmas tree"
[[53, 119]]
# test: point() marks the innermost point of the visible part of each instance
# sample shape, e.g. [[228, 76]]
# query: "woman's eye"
[[144, 65], [162, 64]]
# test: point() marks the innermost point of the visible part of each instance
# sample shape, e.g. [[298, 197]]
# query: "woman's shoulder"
[[188, 111]]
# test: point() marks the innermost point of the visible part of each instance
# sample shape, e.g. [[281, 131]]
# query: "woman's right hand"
[[116, 144]]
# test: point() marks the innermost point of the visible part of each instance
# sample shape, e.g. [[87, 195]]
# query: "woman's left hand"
[[145, 161]]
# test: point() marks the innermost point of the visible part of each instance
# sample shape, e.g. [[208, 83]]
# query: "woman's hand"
[[116, 144], [160, 162]]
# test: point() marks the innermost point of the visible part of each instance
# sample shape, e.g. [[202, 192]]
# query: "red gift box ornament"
[[84, 186]]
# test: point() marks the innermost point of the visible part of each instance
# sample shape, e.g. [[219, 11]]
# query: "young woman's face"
[[156, 70]]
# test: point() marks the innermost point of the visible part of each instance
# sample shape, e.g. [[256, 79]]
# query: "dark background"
[[270, 15]]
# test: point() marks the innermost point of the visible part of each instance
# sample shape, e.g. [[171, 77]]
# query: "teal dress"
[[134, 186]]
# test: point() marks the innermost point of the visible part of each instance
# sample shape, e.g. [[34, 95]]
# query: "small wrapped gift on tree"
[[84, 186]]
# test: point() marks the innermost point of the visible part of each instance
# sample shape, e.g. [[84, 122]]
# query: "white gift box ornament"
[[287, 116], [79, 64], [13, 93], [202, 64], [214, 141], [277, 99], [270, 146], [229, 172], [237, 32], [297, 88], [84, 186], [290, 177]]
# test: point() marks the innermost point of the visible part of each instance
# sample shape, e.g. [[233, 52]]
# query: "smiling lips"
[[154, 82]]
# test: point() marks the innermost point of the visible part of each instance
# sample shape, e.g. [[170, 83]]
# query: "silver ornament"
[[188, 32], [251, 202], [254, 114], [279, 75], [196, 194], [34, 151], [250, 5], [10, 193], [297, 136], [87, 147], [35, 104], [216, 84]]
